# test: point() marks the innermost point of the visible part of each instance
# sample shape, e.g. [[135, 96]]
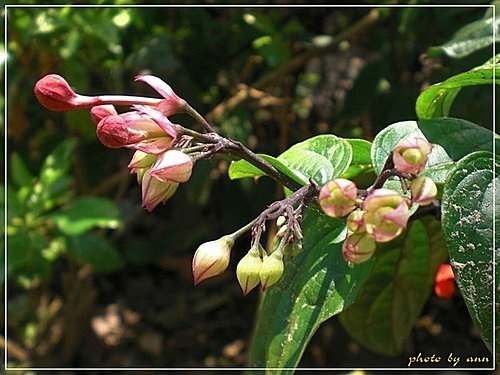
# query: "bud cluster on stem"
[[380, 214], [165, 154]]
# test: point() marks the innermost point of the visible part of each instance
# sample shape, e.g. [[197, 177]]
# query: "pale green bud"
[[271, 270], [248, 269]]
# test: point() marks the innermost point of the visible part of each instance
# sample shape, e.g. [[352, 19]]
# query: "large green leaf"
[[389, 137], [436, 100], [321, 158], [95, 251], [317, 284], [468, 39], [393, 296], [467, 221], [458, 137], [86, 213]]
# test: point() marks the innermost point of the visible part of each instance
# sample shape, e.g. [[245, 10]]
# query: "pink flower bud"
[[410, 155], [355, 221], [248, 269], [54, 93], [172, 103], [133, 130], [98, 112], [338, 197], [271, 270], [386, 214], [423, 190], [212, 258], [154, 191], [172, 166], [358, 247]]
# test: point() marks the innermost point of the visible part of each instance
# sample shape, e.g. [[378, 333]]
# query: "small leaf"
[[468, 39], [243, 169], [436, 100], [467, 221], [321, 158], [361, 159], [388, 138], [317, 284], [95, 251], [86, 213], [56, 165], [25, 262], [20, 173], [394, 294]]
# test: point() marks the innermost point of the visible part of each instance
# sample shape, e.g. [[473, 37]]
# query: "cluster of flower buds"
[[258, 265], [379, 214], [159, 164]]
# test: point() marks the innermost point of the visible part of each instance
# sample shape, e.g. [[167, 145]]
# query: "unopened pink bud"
[[172, 103], [410, 155], [338, 197], [172, 166], [154, 191], [355, 221], [98, 112], [54, 93], [133, 130], [212, 258], [358, 247], [386, 214], [423, 190]]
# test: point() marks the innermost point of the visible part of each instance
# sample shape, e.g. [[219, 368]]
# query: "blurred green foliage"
[[65, 191]]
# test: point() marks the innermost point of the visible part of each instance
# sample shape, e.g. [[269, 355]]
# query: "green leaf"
[[467, 221], [394, 294], [25, 262], [436, 100], [361, 159], [243, 169], [321, 158], [458, 137], [468, 39], [56, 166], [95, 251], [317, 284], [86, 213], [389, 137], [20, 173], [52, 186]]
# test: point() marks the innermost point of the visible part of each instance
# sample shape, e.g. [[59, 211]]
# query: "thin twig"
[[14, 350], [348, 34]]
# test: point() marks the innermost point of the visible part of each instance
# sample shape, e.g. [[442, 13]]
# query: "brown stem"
[[238, 149]]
